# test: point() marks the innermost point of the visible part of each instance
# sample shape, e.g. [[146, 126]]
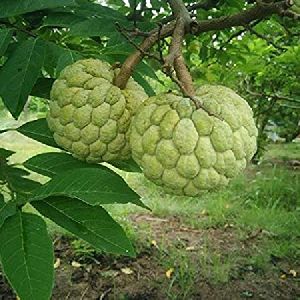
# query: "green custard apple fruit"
[[188, 150], [89, 116]]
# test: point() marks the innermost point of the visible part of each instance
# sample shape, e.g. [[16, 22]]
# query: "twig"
[[206, 5], [275, 95], [136, 32], [84, 293], [104, 294], [19, 29], [290, 14], [269, 41], [238, 33], [137, 47], [188, 93], [134, 14], [160, 50]]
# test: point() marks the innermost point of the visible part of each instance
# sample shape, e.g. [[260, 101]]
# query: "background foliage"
[[39, 38]]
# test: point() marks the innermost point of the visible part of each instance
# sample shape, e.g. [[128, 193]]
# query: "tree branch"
[[206, 5], [179, 10], [183, 21], [184, 76], [259, 11], [176, 43], [175, 58]]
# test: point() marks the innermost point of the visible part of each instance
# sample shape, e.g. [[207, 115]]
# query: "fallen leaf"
[[293, 273], [203, 212], [169, 273], [126, 271], [190, 248], [57, 263], [247, 294], [154, 243], [109, 273], [75, 264], [228, 225]]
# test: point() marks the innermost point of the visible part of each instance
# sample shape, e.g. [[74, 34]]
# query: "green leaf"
[[62, 19], [24, 186], [5, 37], [126, 165], [144, 83], [88, 9], [117, 45], [54, 163], [17, 182], [14, 171], [90, 223], [4, 153], [94, 27], [67, 58], [42, 88], [144, 69], [27, 256], [20, 73], [39, 131], [7, 209], [91, 185], [53, 52], [11, 8]]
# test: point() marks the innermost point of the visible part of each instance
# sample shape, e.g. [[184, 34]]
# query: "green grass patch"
[[287, 151], [274, 188]]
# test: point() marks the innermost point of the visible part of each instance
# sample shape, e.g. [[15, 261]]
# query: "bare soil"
[[101, 277]]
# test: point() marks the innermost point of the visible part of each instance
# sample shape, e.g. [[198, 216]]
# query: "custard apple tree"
[[99, 67]]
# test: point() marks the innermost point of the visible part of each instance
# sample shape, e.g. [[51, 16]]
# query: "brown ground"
[[101, 277]]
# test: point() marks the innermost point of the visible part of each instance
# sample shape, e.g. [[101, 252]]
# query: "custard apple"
[[89, 116], [188, 150]]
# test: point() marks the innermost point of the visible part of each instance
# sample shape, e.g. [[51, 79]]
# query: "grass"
[[265, 199], [283, 151], [182, 273]]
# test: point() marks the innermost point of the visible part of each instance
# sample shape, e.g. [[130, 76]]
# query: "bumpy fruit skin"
[[89, 116], [188, 151]]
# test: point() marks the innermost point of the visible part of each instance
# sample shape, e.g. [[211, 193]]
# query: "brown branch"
[[179, 10], [290, 14], [258, 11], [206, 5], [176, 43], [184, 75], [137, 47], [243, 18], [185, 92], [175, 58], [183, 21], [159, 44], [185, 82], [136, 32]]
